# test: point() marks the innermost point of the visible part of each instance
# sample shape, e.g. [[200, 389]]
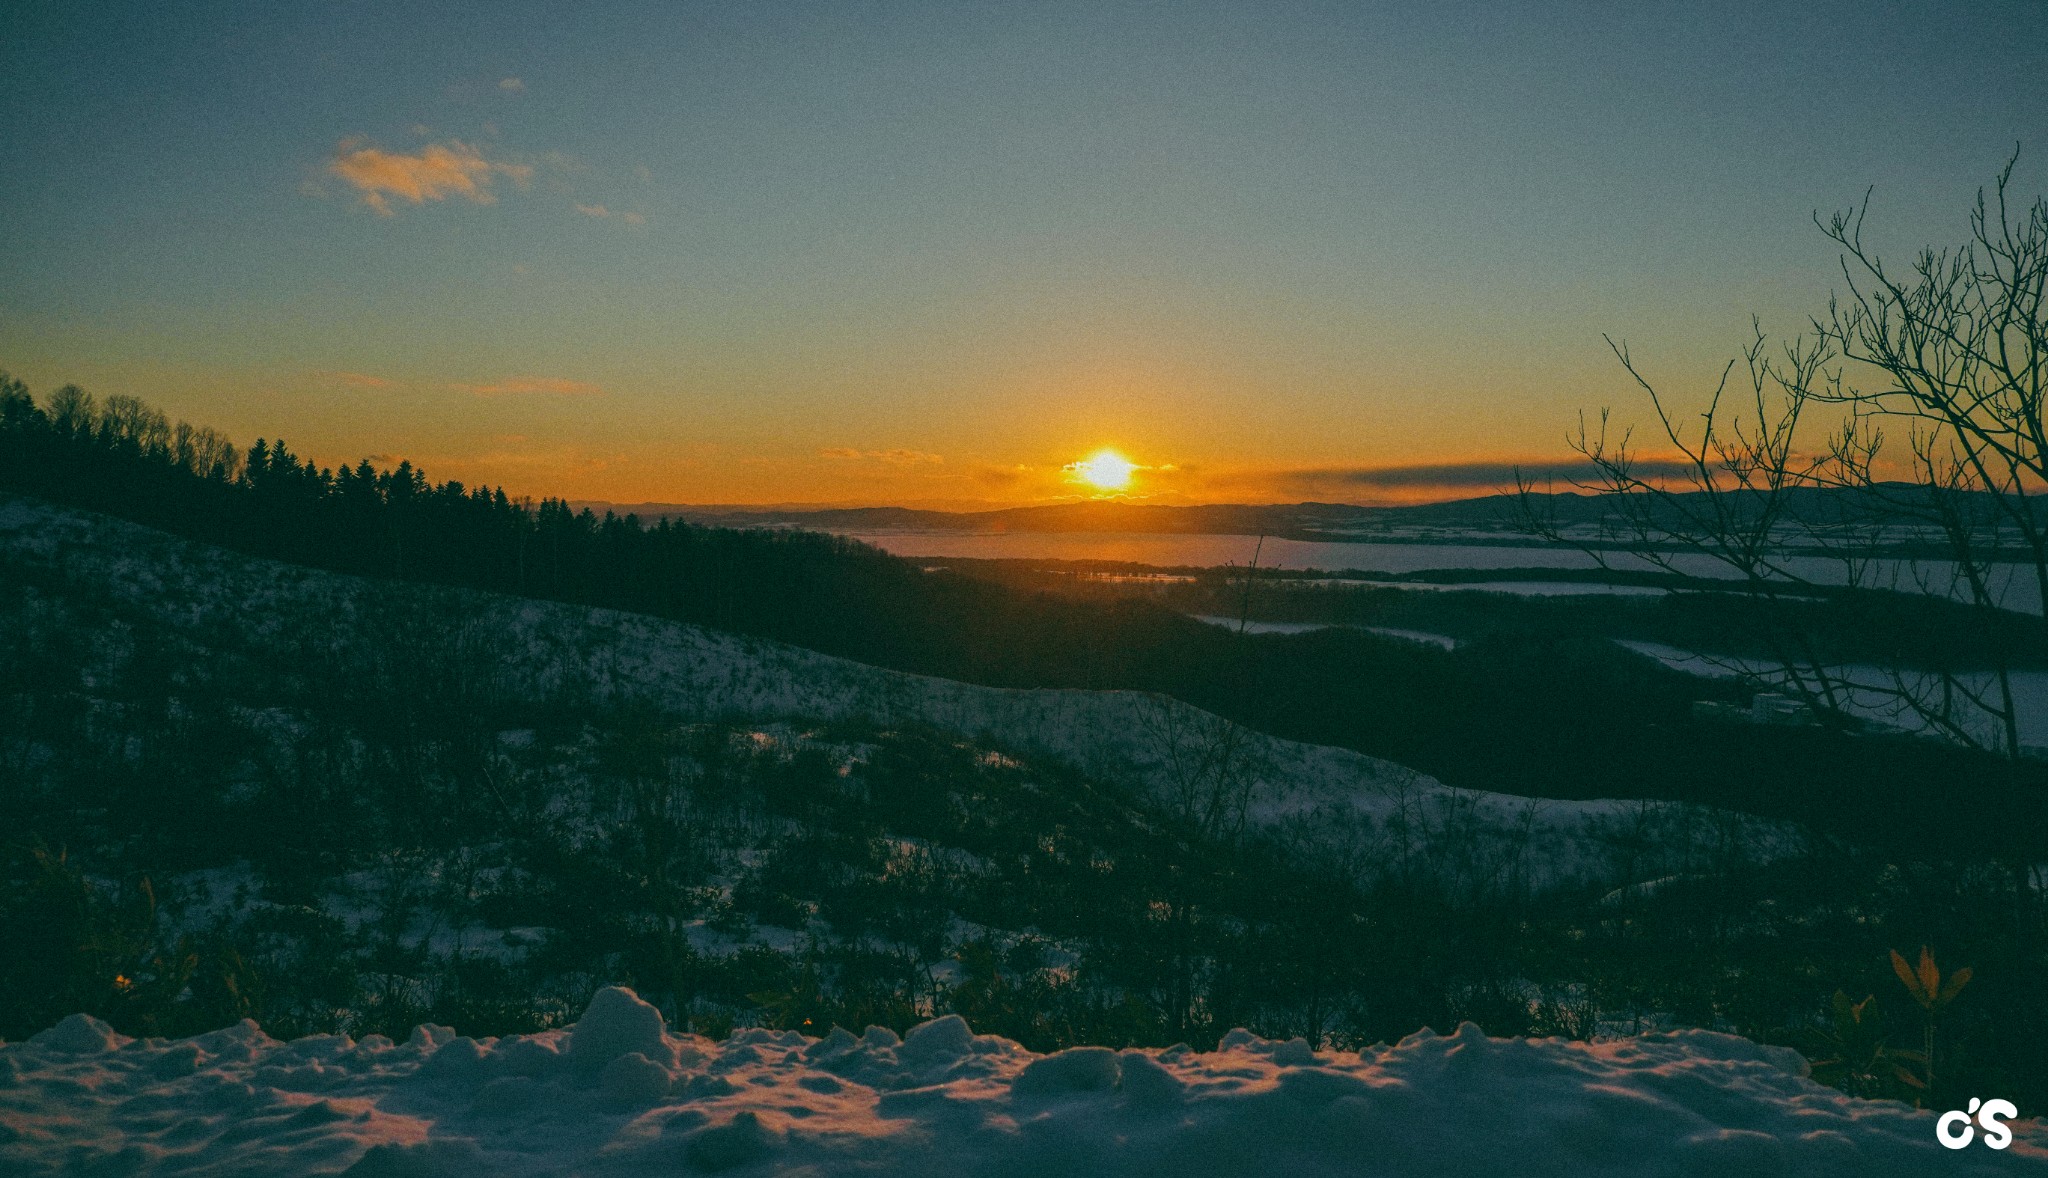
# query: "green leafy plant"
[[1851, 1053]]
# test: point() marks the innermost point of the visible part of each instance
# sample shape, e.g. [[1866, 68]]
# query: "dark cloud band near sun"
[[1467, 475], [1109, 471]]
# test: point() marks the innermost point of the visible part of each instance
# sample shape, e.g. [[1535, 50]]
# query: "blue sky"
[[916, 253]]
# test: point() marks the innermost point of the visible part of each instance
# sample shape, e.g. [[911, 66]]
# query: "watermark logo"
[[1957, 1128]]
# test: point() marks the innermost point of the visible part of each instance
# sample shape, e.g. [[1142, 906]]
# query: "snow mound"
[[619, 1094], [81, 1034], [615, 1025]]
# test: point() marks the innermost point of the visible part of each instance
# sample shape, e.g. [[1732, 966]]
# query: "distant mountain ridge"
[[1500, 513], [1307, 521]]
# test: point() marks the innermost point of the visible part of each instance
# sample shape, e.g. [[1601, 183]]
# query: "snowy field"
[[617, 1094], [208, 596]]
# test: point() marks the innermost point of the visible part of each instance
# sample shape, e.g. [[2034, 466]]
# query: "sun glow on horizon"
[[1104, 470]]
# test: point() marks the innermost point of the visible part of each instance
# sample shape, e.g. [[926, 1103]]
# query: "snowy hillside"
[[341, 809], [615, 1094], [216, 601]]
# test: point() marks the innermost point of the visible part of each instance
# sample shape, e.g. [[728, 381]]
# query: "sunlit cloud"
[[632, 218], [898, 457], [511, 85], [1104, 470], [598, 211], [436, 172], [1108, 471], [526, 386], [1002, 477]]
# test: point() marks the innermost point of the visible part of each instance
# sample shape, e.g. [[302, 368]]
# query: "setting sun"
[[1105, 470], [711, 420]]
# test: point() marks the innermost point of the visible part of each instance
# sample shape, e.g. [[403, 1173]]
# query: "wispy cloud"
[[603, 213], [532, 385], [359, 380], [436, 172], [891, 457], [511, 85], [1001, 478]]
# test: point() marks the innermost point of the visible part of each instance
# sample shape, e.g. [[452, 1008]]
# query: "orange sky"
[[542, 435], [933, 255]]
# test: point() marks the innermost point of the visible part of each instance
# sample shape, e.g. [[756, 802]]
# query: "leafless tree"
[[1210, 768], [1900, 442]]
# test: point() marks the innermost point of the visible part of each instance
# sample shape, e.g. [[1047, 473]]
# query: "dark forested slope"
[[1531, 712]]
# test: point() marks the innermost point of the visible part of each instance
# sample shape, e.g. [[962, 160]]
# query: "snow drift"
[[618, 1094]]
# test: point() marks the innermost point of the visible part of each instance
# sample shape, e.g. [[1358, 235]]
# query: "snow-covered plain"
[[617, 1094]]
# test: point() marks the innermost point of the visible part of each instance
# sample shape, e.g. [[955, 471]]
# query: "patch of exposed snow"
[[1424, 637]]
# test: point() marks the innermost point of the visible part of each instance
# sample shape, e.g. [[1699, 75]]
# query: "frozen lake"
[[1870, 692], [1177, 550], [1439, 640]]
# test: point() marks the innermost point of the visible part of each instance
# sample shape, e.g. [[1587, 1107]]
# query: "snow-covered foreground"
[[616, 1094]]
